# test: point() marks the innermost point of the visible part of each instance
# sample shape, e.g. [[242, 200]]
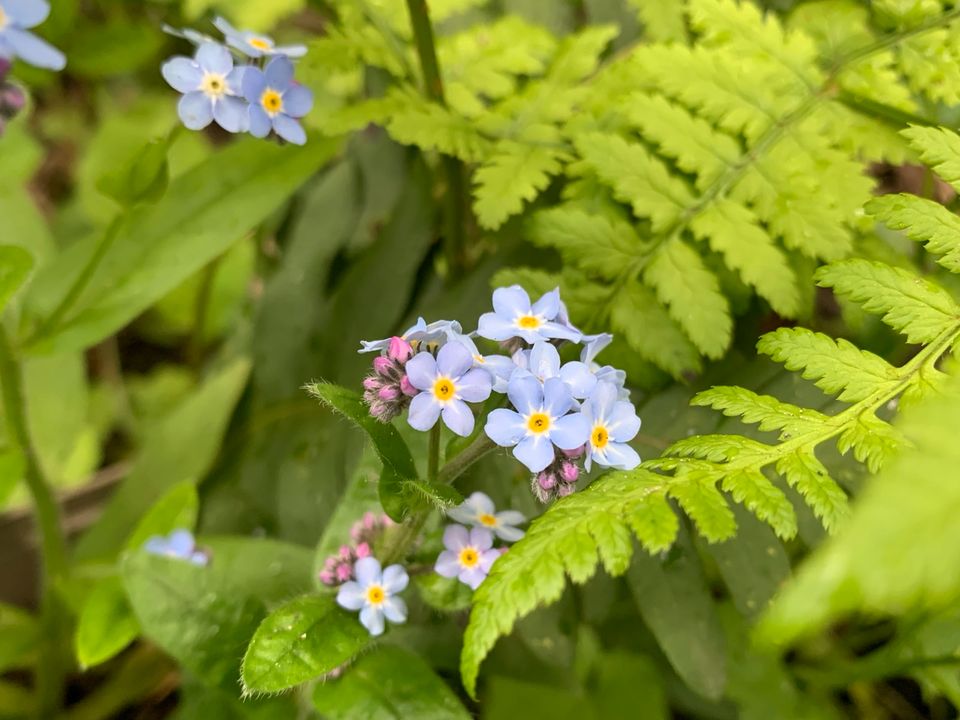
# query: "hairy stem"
[[50, 666], [453, 170]]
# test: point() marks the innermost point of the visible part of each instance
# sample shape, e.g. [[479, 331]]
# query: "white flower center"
[[214, 85]]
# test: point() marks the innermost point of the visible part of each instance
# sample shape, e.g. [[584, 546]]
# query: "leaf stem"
[[456, 196], [433, 453], [50, 667]]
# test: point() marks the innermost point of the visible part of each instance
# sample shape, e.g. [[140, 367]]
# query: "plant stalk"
[[50, 666], [433, 453]]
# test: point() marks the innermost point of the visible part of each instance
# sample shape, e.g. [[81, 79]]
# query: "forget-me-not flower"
[[612, 423], [420, 333], [592, 345], [16, 40], [514, 316], [543, 362], [254, 44], [374, 593], [276, 101], [188, 34], [211, 87], [500, 367], [478, 510], [468, 556], [445, 382], [178, 544], [539, 422]]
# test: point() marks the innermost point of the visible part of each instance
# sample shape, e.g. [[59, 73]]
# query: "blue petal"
[[26, 13], [544, 361], [424, 411], [368, 571], [395, 610], [195, 110], [395, 579], [231, 114], [214, 58], [372, 620], [279, 73], [181, 543], [501, 367], [458, 417], [448, 564], [559, 332], [592, 345], [536, 452], [473, 577], [224, 26], [235, 79], [422, 371], [504, 427], [557, 398], [259, 125], [619, 456], [297, 101], [31, 49], [182, 74], [351, 596], [475, 385], [548, 305], [481, 539], [294, 51], [494, 327], [289, 129], [510, 302], [156, 545], [579, 378], [455, 537], [254, 83], [570, 431], [526, 393], [623, 422], [603, 400], [454, 360]]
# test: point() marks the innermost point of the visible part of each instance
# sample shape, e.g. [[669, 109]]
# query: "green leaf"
[[143, 179], [181, 447], [768, 412], [304, 639], [514, 174], [432, 495], [176, 510], [594, 243], [444, 594], [388, 684], [700, 499], [923, 221], [429, 126], [764, 499], [674, 600], [15, 266], [393, 452], [20, 637], [106, 624], [808, 475], [939, 148], [157, 247]]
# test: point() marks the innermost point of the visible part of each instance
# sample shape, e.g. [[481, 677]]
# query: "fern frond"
[[430, 126], [593, 243], [923, 221], [765, 411], [662, 21], [940, 149], [516, 174]]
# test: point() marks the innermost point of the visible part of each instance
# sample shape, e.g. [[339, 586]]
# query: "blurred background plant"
[[679, 169]]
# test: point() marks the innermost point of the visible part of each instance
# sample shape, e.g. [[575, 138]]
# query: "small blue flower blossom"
[[539, 423], [445, 382], [433, 336], [374, 593], [543, 362], [179, 544], [514, 316], [592, 345], [612, 424], [16, 19], [211, 86], [276, 101], [256, 45], [189, 34], [469, 555], [479, 511], [500, 367]]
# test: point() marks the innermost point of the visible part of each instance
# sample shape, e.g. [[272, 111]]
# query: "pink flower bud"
[[386, 521], [330, 563], [407, 387], [546, 480], [326, 577], [369, 520], [399, 350], [344, 573], [372, 383], [388, 393], [346, 553], [363, 550], [382, 365], [576, 453], [569, 472], [565, 490]]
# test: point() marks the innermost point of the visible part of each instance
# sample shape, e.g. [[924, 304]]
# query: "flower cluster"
[[364, 534], [257, 97], [469, 553], [562, 419], [17, 17], [179, 544]]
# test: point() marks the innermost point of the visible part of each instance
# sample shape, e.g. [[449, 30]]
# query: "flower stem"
[[433, 453], [50, 666], [470, 454], [453, 169]]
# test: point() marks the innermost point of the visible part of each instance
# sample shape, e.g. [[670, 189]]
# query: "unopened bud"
[[407, 387], [372, 383], [575, 453], [546, 480], [363, 550], [399, 350], [569, 472], [565, 490], [382, 365]]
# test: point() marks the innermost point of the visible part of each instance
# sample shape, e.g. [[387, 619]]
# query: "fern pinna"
[[723, 158], [702, 473]]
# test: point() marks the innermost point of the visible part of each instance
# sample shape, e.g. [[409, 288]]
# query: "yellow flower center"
[[376, 595], [444, 389], [259, 43], [469, 557], [3, 19], [529, 322], [479, 359], [538, 423], [271, 101], [214, 85], [488, 520], [599, 437]]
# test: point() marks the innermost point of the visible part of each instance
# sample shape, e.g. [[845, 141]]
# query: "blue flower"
[[373, 594], [433, 336], [16, 18], [210, 85], [444, 384], [539, 423], [469, 555], [592, 345], [255, 45], [514, 316], [500, 367], [543, 362], [189, 34], [612, 424], [276, 100], [179, 544], [478, 510]]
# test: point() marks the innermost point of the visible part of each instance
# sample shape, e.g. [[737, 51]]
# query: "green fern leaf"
[[754, 490], [768, 412], [808, 475], [907, 303], [514, 174], [662, 21], [718, 448], [924, 221], [873, 441], [593, 243], [940, 149], [430, 126], [697, 494]]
